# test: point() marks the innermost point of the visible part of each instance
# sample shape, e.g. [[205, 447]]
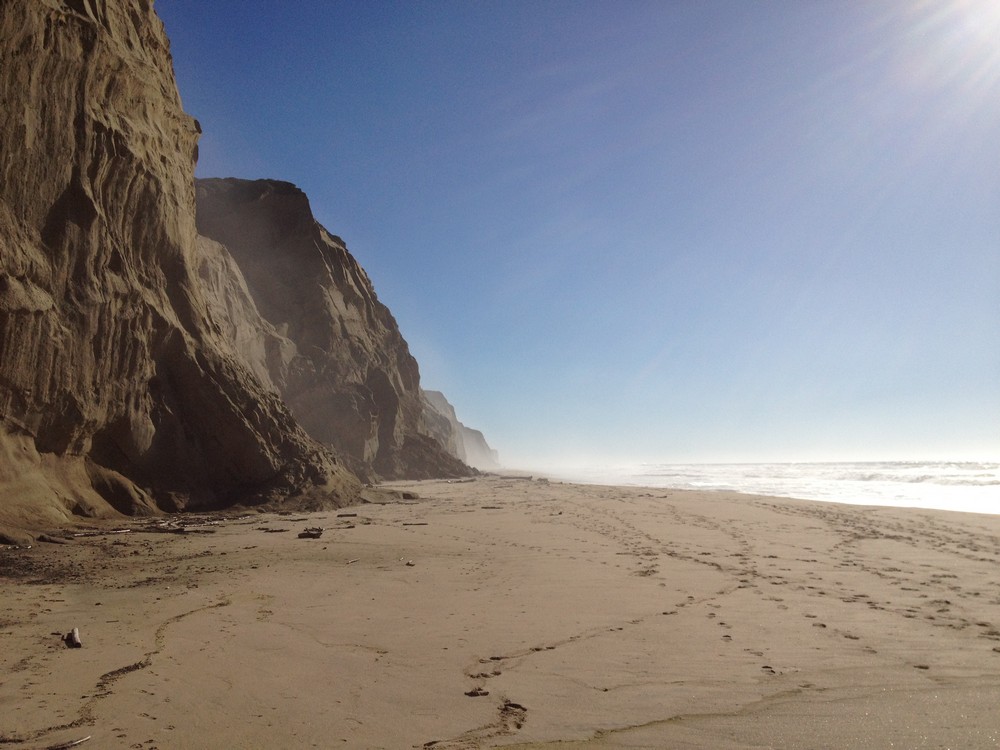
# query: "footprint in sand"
[[485, 675]]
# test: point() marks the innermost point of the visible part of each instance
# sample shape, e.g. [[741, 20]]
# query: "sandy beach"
[[515, 613]]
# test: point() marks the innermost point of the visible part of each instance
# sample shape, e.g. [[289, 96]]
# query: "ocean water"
[[972, 487]]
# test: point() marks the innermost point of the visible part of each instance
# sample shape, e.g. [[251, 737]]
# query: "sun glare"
[[963, 42]]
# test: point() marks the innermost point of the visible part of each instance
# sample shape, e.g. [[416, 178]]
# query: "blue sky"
[[654, 231]]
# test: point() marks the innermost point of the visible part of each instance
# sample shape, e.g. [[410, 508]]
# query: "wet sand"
[[511, 612]]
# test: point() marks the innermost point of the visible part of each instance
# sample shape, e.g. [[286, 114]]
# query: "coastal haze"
[[657, 232]]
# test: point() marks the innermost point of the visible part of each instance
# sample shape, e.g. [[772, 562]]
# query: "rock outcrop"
[[441, 421], [323, 341], [120, 385]]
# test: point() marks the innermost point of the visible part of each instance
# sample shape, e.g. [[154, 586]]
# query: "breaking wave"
[[947, 485]]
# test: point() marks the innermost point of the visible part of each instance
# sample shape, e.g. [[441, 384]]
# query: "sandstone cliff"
[[477, 451], [120, 386], [469, 445], [324, 342]]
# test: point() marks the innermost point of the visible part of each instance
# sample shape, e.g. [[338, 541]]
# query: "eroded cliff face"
[[327, 345], [441, 421], [120, 386]]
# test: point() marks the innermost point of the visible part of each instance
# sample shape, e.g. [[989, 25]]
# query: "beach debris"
[[311, 532], [347, 515], [67, 745], [477, 692], [50, 539], [351, 562], [15, 539], [410, 563], [415, 523], [72, 639], [180, 527]]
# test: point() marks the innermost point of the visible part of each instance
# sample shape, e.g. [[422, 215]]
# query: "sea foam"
[[967, 486]]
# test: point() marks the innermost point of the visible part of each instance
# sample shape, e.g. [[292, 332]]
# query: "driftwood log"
[[66, 745]]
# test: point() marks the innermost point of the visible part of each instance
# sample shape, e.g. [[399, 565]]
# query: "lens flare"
[[957, 42]]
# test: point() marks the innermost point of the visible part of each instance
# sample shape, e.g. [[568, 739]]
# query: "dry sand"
[[579, 617]]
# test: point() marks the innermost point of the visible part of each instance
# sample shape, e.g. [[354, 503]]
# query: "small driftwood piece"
[[175, 527], [314, 532], [415, 523], [72, 639], [67, 745], [347, 515]]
